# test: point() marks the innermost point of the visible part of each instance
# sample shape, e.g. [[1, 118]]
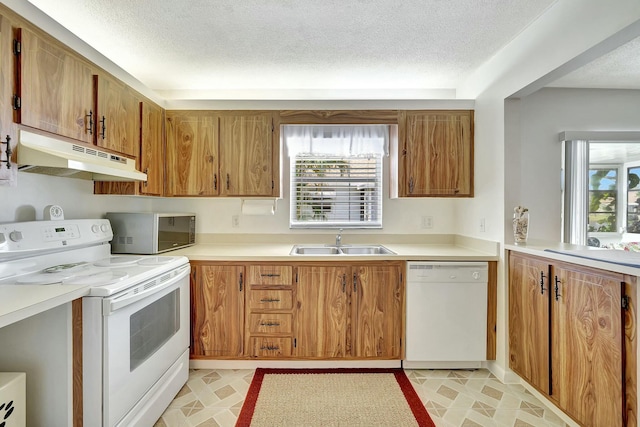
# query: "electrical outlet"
[[427, 221], [483, 224], [235, 221]]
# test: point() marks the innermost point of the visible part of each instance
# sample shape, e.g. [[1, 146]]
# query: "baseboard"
[[308, 364], [441, 365], [506, 376]]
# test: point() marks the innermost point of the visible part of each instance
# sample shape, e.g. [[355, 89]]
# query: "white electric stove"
[[135, 314]]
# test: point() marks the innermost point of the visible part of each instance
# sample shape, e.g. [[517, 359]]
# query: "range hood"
[[46, 155]]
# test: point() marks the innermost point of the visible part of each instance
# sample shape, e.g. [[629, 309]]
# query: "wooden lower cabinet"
[[571, 338], [300, 311], [377, 301], [322, 317], [217, 310]]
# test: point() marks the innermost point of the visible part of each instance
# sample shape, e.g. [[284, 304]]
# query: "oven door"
[[145, 331]]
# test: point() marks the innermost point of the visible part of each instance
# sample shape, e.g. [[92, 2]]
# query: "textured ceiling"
[[619, 69], [172, 45]]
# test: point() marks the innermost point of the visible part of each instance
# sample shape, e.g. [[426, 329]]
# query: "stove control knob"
[[104, 228], [95, 228], [3, 240], [15, 236]]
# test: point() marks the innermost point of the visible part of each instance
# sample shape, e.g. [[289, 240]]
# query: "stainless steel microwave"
[[151, 232]]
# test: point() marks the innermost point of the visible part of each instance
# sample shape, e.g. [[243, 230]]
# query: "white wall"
[[33, 192], [535, 158]]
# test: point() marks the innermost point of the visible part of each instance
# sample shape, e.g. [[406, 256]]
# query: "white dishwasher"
[[446, 315]]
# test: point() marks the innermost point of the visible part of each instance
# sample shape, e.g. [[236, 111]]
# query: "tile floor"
[[213, 398]]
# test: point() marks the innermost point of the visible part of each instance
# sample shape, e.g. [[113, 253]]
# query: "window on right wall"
[[336, 175]]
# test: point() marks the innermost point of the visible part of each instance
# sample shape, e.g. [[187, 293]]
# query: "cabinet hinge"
[[17, 102], [625, 302], [17, 47]]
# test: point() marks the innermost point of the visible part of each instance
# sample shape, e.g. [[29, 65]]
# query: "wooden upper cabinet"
[[55, 87], [529, 298], [192, 153], [217, 310], [152, 148], [248, 157], [436, 157], [587, 341], [377, 301], [7, 128], [321, 311], [117, 119]]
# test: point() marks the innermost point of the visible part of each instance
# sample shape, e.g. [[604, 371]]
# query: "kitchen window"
[[336, 175], [603, 199]]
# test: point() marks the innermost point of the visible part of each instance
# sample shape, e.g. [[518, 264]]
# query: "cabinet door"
[[117, 119], [247, 154], [377, 299], [529, 298], [7, 128], [192, 153], [217, 310], [437, 155], [56, 88], [321, 311], [152, 149], [587, 345]]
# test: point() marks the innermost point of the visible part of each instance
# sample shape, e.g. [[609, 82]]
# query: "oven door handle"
[[131, 296]]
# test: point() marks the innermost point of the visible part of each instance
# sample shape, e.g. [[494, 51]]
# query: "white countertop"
[[281, 252], [18, 302], [606, 259]]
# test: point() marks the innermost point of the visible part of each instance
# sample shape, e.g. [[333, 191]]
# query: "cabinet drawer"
[[270, 275], [270, 323], [270, 347], [270, 299]]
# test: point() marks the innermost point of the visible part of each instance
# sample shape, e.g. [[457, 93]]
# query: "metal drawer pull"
[[542, 282], [270, 300], [269, 323], [270, 275], [270, 347]]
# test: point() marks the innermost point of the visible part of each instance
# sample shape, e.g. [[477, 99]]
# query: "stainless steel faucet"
[[339, 238]]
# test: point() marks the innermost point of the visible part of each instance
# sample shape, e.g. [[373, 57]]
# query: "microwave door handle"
[[116, 303]]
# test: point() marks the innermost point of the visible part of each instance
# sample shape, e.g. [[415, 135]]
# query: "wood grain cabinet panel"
[[270, 299], [217, 310], [322, 317], [192, 153], [437, 153], [270, 323], [270, 347], [377, 301], [587, 342], [571, 338], [529, 299], [8, 175], [270, 275], [152, 153], [247, 154], [56, 88], [117, 120]]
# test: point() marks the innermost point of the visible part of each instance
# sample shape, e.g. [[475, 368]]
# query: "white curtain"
[[345, 140], [576, 192]]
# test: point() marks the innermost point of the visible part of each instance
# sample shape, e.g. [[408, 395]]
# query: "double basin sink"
[[340, 250]]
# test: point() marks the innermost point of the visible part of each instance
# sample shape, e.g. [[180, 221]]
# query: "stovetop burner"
[[118, 261]]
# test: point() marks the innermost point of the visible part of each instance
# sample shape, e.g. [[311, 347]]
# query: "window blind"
[[336, 191]]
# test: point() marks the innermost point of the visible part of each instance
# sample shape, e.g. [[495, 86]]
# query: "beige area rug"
[[335, 397]]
